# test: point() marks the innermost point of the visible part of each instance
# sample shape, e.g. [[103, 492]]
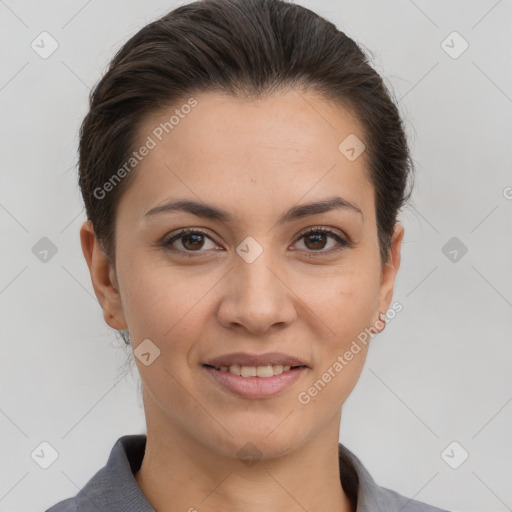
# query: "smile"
[[255, 381], [255, 371]]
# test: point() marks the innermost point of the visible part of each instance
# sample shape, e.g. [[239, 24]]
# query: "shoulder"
[[91, 498], [113, 487], [388, 499], [80, 503], [370, 496], [68, 505]]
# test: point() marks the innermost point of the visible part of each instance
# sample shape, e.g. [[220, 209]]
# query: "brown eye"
[[191, 240], [316, 240]]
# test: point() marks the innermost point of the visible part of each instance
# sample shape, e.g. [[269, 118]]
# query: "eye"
[[191, 240], [315, 241]]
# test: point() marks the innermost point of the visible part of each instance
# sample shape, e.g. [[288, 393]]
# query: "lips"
[[246, 359], [255, 387]]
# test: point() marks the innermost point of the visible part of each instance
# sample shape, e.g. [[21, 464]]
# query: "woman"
[[242, 168]]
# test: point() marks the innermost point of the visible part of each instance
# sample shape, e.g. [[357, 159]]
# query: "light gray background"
[[440, 372]]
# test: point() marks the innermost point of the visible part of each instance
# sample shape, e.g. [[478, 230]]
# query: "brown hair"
[[246, 48]]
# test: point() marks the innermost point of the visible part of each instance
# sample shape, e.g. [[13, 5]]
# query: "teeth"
[[255, 371]]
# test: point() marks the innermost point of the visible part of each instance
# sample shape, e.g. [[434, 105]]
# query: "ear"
[[103, 278], [389, 272]]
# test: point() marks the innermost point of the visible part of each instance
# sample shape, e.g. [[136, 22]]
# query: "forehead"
[[252, 154]]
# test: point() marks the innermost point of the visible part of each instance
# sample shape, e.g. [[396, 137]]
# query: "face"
[[267, 276]]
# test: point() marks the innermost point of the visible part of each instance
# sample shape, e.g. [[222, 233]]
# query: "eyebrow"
[[297, 212]]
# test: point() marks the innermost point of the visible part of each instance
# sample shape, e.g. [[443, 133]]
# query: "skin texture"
[[256, 159]]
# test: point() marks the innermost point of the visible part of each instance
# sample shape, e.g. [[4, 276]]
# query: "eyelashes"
[[340, 241], [188, 232], [196, 236]]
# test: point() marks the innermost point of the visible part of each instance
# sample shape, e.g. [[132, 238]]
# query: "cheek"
[[343, 315], [162, 303], [346, 301]]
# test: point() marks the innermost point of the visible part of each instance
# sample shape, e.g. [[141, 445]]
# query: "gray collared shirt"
[[114, 488]]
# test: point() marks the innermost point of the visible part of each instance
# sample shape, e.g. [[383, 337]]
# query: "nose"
[[257, 296]]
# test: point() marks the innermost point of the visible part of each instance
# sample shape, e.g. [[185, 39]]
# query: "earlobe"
[[103, 278]]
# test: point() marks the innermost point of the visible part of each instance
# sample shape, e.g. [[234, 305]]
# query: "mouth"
[[254, 382], [265, 371], [246, 363]]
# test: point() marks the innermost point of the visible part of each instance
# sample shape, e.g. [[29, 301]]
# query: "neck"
[[179, 473]]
